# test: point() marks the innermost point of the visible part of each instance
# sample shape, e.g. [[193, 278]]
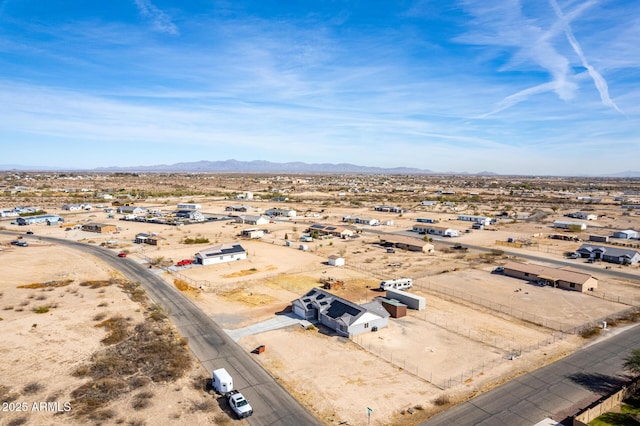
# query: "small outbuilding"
[[395, 308], [335, 260]]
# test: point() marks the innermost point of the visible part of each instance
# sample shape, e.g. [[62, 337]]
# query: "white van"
[[222, 381], [399, 284]]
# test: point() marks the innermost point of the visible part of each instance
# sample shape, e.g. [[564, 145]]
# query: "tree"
[[286, 236], [632, 361]]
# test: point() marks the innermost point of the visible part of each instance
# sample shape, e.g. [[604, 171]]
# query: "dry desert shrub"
[[32, 388], [48, 284], [222, 419], [204, 405], [142, 400], [18, 421], [43, 309], [441, 400], [117, 328], [136, 356]]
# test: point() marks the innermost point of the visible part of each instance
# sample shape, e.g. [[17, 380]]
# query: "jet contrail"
[[599, 81]]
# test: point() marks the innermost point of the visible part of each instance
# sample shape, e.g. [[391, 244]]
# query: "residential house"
[[627, 234], [563, 224], [407, 243], [100, 228], [333, 230], [340, 315], [565, 278], [278, 212], [221, 253], [389, 209], [609, 254], [49, 219], [483, 220], [252, 220], [189, 206], [194, 215], [237, 208], [442, 231], [131, 210], [361, 220]]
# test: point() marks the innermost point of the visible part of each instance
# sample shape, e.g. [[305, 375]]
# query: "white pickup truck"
[[239, 404]]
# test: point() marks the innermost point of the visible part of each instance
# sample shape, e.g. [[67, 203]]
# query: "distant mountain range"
[[260, 166]]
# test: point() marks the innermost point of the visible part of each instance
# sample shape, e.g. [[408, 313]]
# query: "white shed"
[[335, 260]]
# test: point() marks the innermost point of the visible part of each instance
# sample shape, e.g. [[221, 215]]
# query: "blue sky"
[[514, 87]]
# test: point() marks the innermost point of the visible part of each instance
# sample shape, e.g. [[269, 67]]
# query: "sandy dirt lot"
[[43, 347], [403, 372]]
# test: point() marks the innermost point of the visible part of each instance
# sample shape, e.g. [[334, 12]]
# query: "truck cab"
[[239, 404]]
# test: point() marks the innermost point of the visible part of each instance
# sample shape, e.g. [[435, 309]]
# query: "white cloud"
[[161, 21]]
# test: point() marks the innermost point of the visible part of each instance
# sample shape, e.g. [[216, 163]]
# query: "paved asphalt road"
[[559, 390], [271, 403]]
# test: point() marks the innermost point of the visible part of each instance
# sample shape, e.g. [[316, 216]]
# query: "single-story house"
[[565, 278], [189, 206], [361, 220], [583, 215], [141, 238], [389, 209], [628, 234], [436, 230], [131, 210], [336, 260], [563, 224], [237, 208], [9, 213], [428, 203], [100, 228], [483, 220], [341, 315], [76, 207], [252, 220], [221, 253], [195, 215], [609, 254], [336, 231], [407, 243], [49, 219], [277, 212], [252, 233]]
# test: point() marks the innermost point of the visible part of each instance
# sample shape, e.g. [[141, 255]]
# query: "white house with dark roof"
[[627, 234], [221, 253], [609, 254], [252, 219], [341, 315]]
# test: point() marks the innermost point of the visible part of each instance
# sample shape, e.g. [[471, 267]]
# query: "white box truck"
[[399, 284], [221, 381]]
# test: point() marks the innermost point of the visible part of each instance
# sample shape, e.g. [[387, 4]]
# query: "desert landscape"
[[69, 320]]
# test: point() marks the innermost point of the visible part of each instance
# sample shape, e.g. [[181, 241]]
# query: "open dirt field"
[[404, 372], [51, 330]]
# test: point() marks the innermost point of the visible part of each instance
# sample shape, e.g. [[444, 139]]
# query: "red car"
[[122, 254], [185, 262]]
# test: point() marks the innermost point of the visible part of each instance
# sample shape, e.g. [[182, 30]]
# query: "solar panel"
[[339, 308]]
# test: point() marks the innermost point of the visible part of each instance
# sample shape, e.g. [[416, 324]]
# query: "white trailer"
[[221, 381], [399, 284]]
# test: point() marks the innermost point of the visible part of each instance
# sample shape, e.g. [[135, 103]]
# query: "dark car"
[[29, 232]]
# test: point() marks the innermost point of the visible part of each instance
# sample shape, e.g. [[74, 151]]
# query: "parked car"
[[29, 232], [573, 255], [122, 254], [499, 270], [185, 262]]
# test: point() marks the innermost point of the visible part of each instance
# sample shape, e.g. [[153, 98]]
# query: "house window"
[[366, 325], [572, 285]]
